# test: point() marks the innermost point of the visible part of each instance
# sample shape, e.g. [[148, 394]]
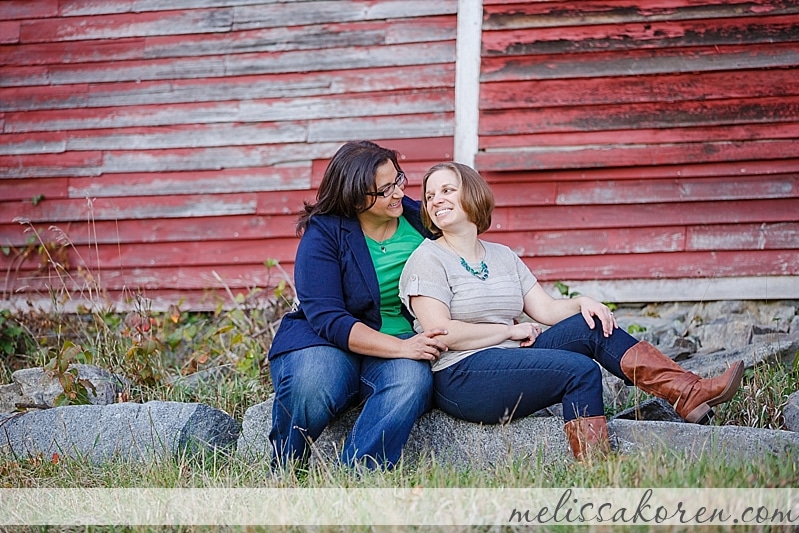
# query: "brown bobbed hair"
[[349, 176], [477, 200]]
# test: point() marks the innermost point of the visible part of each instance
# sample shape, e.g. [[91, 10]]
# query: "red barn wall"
[[639, 151], [646, 151], [166, 151]]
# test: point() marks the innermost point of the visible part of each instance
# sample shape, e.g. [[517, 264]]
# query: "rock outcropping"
[[704, 339]]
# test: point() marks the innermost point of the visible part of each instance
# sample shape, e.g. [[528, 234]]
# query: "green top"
[[389, 258]]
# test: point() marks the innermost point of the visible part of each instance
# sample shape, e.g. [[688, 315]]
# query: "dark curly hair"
[[348, 177]]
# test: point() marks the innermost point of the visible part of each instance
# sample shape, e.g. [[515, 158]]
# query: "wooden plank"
[[201, 136], [290, 85], [784, 235], [24, 76], [418, 101], [684, 114], [12, 190], [167, 207], [146, 231], [209, 67], [624, 90], [644, 240], [156, 300], [28, 9], [564, 217], [786, 130], [639, 291], [224, 181], [81, 7], [34, 143], [155, 115], [572, 39], [172, 254], [579, 242], [419, 150], [9, 33], [501, 15], [321, 36], [609, 155], [634, 291], [321, 12], [127, 25], [731, 170], [134, 279], [400, 55], [603, 266], [678, 190], [50, 165], [74, 52], [538, 193], [262, 110], [381, 128], [640, 62], [696, 265], [156, 159], [214, 158], [74, 8], [279, 39], [43, 97]]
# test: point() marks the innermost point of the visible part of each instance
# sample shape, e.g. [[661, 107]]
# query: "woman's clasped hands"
[[425, 346]]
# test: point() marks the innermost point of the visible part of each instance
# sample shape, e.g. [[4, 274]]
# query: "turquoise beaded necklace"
[[481, 274]]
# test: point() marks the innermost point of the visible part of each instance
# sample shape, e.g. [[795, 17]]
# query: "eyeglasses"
[[388, 190]]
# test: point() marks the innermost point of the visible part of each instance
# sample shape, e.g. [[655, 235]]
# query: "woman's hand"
[[525, 332], [424, 346], [591, 308]]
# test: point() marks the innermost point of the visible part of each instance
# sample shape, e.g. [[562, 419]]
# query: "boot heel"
[[702, 414]]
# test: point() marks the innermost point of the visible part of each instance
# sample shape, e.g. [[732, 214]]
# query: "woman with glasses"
[[497, 369], [350, 341]]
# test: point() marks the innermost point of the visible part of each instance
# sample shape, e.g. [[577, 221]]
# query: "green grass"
[[658, 467], [153, 350], [651, 469]]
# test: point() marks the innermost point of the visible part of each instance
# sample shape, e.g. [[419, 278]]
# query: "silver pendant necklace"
[[382, 244]]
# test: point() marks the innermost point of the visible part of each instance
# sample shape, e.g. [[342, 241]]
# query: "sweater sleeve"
[[424, 275], [527, 279]]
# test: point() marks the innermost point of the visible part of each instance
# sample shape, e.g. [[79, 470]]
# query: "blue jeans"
[[314, 385], [498, 384]]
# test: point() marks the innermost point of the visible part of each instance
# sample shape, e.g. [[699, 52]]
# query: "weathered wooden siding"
[[633, 141], [163, 147], [645, 149]]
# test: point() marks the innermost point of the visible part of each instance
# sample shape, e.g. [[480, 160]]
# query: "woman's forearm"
[[468, 336], [367, 341]]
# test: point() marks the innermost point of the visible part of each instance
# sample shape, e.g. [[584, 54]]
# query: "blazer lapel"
[[357, 244]]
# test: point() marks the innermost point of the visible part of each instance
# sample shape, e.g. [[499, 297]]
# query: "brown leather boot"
[[587, 435], [690, 395]]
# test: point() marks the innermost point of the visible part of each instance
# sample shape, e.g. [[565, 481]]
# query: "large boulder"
[[533, 438], [126, 431], [435, 433], [694, 441]]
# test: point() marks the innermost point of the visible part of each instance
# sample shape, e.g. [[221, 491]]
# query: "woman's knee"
[[585, 370], [307, 382], [404, 384]]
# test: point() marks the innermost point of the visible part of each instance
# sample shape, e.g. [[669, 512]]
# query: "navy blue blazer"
[[336, 284]]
